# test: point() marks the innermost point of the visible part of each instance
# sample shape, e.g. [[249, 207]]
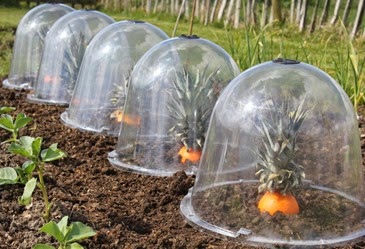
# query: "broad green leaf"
[[74, 246], [36, 147], [8, 175], [21, 120], [52, 229], [6, 109], [62, 225], [28, 167], [26, 198], [18, 149], [6, 122], [26, 142], [22, 176], [52, 153], [78, 231], [43, 246]]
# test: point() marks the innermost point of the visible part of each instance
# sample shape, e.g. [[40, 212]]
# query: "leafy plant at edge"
[[66, 235], [6, 109], [30, 148], [349, 72], [13, 126]]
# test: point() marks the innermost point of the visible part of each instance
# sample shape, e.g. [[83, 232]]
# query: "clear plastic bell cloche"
[[29, 43], [171, 94], [282, 161], [98, 99], [64, 49]]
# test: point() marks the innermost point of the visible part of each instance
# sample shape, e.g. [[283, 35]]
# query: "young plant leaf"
[[36, 147], [22, 176], [18, 149], [8, 175], [21, 120], [74, 246], [6, 109], [52, 153], [53, 229], [28, 167], [26, 198], [23, 147], [6, 122], [78, 231], [28, 147], [66, 235], [62, 225], [43, 246]]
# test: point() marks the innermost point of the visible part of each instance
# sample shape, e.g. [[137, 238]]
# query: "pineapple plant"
[[73, 58], [118, 95], [278, 172], [192, 101]]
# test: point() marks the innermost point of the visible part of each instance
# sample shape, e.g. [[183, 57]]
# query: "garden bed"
[[126, 210]]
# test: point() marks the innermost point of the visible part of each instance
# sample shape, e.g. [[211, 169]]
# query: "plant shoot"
[[278, 172], [66, 235], [192, 101]]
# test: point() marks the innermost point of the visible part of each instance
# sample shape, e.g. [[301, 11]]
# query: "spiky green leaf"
[[277, 170]]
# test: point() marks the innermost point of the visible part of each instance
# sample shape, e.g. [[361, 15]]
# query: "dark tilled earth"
[[126, 210]]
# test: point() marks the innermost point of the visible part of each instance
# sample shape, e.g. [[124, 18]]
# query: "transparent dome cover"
[[29, 42], [64, 49], [108, 62], [171, 94], [282, 161]]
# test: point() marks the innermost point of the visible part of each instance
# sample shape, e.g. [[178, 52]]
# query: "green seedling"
[[5, 109], [66, 235], [8, 175], [13, 126], [30, 148]]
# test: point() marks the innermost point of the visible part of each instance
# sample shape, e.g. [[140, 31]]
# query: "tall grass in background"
[[333, 53], [6, 43], [349, 69], [329, 49]]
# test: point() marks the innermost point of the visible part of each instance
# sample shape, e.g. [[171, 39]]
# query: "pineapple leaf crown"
[[192, 97], [117, 95], [73, 57], [277, 169]]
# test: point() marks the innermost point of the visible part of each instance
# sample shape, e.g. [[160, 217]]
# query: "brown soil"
[[234, 206], [126, 210]]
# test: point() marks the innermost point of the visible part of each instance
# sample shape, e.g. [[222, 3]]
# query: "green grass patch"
[[328, 49]]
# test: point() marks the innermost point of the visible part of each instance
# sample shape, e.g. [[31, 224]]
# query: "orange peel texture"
[[273, 202], [189, 154]]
